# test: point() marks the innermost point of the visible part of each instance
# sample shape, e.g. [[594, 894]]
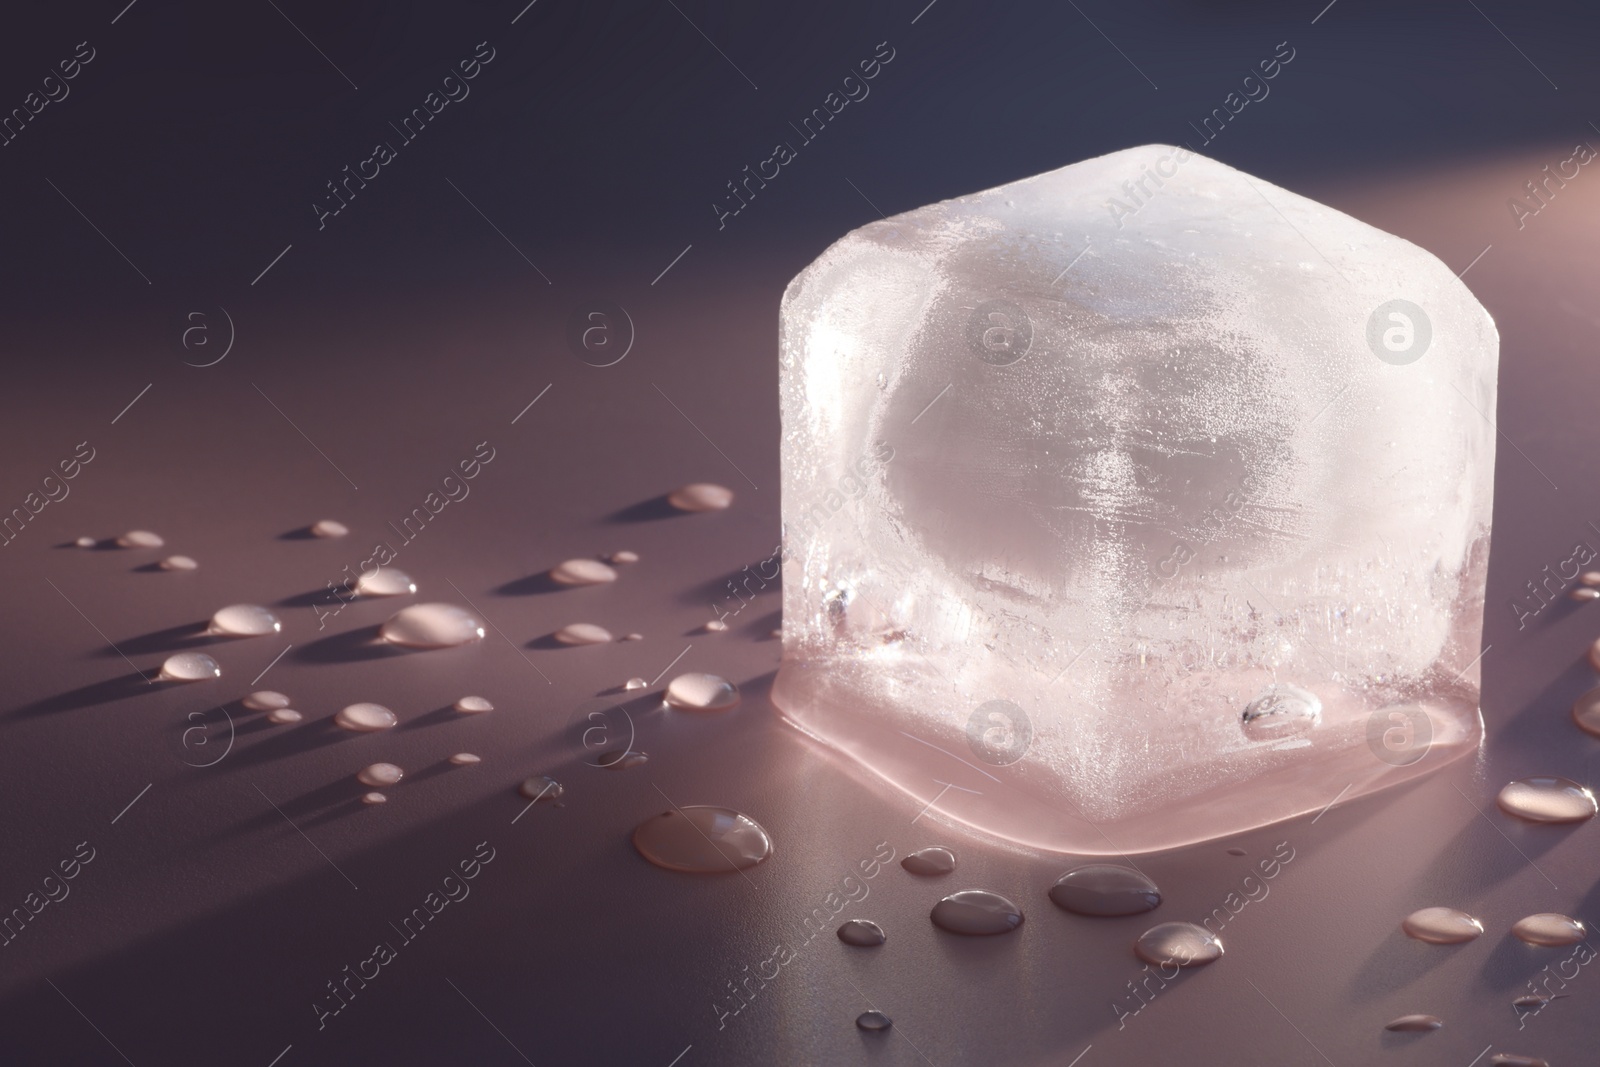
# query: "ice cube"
[[1134, 504]]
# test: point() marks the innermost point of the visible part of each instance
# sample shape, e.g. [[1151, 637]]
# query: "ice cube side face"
[[1134, 504]]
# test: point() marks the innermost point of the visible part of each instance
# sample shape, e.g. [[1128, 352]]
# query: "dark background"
[[378, 351]]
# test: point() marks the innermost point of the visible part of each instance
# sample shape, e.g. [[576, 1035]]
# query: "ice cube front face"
[[1134, 504]]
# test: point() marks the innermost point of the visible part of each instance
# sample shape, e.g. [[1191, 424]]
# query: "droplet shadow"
[[532, 585], [436, 717], [172, 639], [652, 510], [353, 646], [119, 688]]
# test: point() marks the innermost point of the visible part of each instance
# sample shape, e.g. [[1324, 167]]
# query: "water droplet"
[[716, 626], [189, 667], [380, 774], [776, 634], [1414, 1023], [582, 633], [140, 539], [464, 759], [635, 683], [1549, 929], [1583, 594], [625, 557], [931, 861], [582, 572], [244, 620], [1105, 889], [873, 1021], [1236, 852], [265, 700], [365, 718], [473, 705], [1586, 712], [976, 913], [385, 581], [863, 933], [1441, 926], [284, 716], [633, 637], [85, 542], [1547, 799], [1590, 577], [702, 838], [178, 563], [1282, 711], [431, 626], [1594, 654], [702, 692], [329, 528], [1512, 1059], [621, 759], [1184, 944], [374, 798], [700, 496], [542, 787]]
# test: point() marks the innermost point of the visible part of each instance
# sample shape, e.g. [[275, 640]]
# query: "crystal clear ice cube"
[[1133, 504]]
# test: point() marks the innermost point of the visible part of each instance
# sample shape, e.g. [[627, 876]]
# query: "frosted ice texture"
[[1133, 463]]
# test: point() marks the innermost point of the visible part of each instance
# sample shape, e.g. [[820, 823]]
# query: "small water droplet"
[[863, 933], [1512, 1059], [1105, 889], [1586, 712], [635, 683], [464, 759], [244, 620], [374, 798], [431, 626], [380, 774], [976, 913], [700, 496], [1590, 578], [1441, 926], [621, 759], [1414, 1023], [542, 787], [702, 839], [178, 563], [582, 572], [633, 637], [365, 718], [715, 626], [1584, 594], [329, 528], [85, 542], [473, 706], [625, 557], [189, 667], [140, 539], [873, 1021], [385, 581], [931, 861], [1184, 944], [1236, 852], [284, 716], [1549, 929], [1547, 799], [582, 633], [1535, 1000], [701, 692], [265, 700], [1282, 711]]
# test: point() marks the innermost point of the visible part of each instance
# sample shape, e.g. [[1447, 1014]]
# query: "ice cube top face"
[[1134, 504]]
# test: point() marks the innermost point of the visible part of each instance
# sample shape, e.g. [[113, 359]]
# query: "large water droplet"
[[1414, 1023], [700, 496], [329, 528], [380, 774], [140, 539], [265, 700], [385, 581], [1280, 713], [1547, 799], [1105, 889], [542, 787], [703, 839], [1180, 943], [1549, 928], [365, 718], [582, 633], [976, 913], [473, 706], [701, 692], [431, 626], [1586, 712], [189, 667], [873, 1021], [179, 563], [1441, 926], [863, 933], [582, 572], [930, 861], [244, 620]]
